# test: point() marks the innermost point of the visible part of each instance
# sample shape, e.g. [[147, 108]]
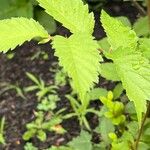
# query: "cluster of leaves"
[[45, 118]]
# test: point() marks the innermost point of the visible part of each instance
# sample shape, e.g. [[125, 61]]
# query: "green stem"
[[148, 11], [142, 126]]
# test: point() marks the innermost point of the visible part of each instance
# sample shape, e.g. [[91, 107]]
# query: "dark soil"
[[18, 111]]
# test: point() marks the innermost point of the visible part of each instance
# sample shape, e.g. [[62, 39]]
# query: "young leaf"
[[73, 14], [80, 58], [16, 31], [118, 34]]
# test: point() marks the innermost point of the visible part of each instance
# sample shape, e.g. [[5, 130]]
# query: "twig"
[[139, 7], [142, 126]]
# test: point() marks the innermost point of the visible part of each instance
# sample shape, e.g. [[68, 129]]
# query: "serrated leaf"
[[118, 34], [73, 14], [134, 71], [141, 26], [16, 31], [80, 58], [109, 72], [132, 68], [82, 142], [144, 46]]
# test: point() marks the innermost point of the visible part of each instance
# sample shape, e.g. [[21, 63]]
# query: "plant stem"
[[148, 11], [142, 126], [139, 7]]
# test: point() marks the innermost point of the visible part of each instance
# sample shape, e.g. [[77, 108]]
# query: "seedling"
[[6, 87], [43, 123], [48, 103], [40, 86], [80, 111]]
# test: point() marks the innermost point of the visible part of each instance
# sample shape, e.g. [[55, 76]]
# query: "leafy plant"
[[80, 58], [42, 124], [43, 90], [131, 66], [80, 110]]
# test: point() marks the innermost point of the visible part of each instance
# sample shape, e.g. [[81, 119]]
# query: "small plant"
[[60, 77], [43, 90], [48, 103], [80, 110], [43, 123]]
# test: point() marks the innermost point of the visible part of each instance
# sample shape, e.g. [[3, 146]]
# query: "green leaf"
[[117, 91], [118, 34], [104, 45], [16, 31], [134, 71], [144, 46], [132, 68], [29, 134], [30, 146], [46, 21], [73, 14], [41, 135], [104, 128], [109, 72], [59, 148], [15, 8], [97, 92], [141, 26], [80, 58], [143, 146], [124, 20], [82, 142]]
